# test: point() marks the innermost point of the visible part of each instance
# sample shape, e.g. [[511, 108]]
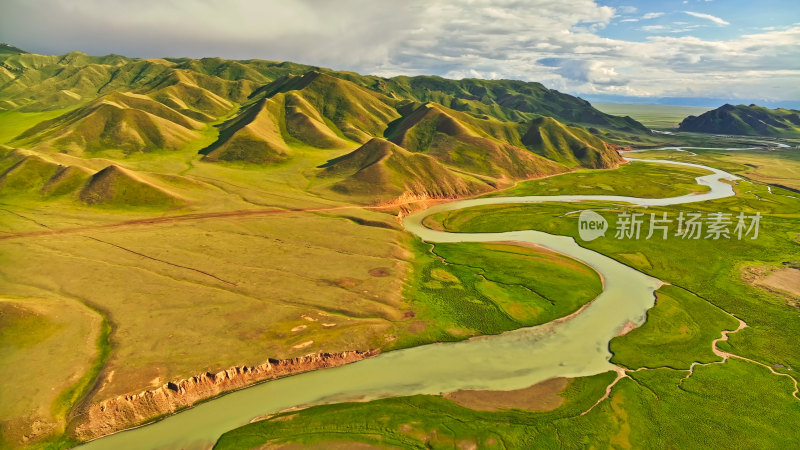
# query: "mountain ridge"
[[422, 135], [750, 120]]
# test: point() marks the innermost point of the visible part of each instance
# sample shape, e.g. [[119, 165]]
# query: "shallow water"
[[512, 360]]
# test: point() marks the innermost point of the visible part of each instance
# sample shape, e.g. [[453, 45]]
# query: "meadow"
[[651, 408], [637, 179], [467, 289], [674, 381], [160, 218], [230, 250], [777, 166], [660, 117]]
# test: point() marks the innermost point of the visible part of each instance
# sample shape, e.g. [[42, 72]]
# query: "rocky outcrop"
[[126, 411]]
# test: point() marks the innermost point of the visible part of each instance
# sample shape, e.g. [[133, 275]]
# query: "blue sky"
[[731, 50], [636, 20]]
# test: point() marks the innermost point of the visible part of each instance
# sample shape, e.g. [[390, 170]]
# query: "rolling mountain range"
[[384, 137], [752, 120]]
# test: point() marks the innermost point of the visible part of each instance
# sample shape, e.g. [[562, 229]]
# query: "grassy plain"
[[417, 422], [637, 179], [660, 117], [678, 332], [731, 404], [775, 166], [735, 403], [714, 272], [467, 289], [240, 285], [47, 344]]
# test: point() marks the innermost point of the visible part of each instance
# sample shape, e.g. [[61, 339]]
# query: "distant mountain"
[[43, 82], [744, 120]]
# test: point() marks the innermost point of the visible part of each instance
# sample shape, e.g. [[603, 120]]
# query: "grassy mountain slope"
[[571, 146], [358, 113], [31, 174], [480, 146], [750, 120], [115, 186], [126, 121], [8, 49], [253, 136], [491, 132], [507, 100], [38, 77], [315, 109], [381, 169]]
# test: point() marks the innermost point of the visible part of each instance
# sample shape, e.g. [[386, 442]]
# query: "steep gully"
[[566, 348]]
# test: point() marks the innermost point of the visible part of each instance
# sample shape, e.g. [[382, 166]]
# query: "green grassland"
[[776, 166], [715, 264], [633, 179], [731, 404], [678, 332], [466, 289], [164, 217], [735, 403], [417, 422], [54, 338], [660, 117]]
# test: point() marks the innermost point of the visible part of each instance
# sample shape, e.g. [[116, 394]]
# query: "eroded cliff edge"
[[126, 411]]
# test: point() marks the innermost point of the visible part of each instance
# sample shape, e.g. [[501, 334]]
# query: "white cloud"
[[652, 15], [714, 19], [556, 43]]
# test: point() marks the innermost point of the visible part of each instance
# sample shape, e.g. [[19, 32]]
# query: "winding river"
[[567, 348]]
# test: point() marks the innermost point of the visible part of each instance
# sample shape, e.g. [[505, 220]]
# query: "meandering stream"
[[569, 348]]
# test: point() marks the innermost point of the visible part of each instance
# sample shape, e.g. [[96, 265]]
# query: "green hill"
[[253, 136], [474, 133], [27, 173], [744, 120], [315, 110], [125, 121], [33, 81], [381, 170], [477, 146], [8, 49], [115, 186], [571, 146]]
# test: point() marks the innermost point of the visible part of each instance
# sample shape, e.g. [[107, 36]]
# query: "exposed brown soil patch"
[[786, 280], [542, 396], [380, 272]]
